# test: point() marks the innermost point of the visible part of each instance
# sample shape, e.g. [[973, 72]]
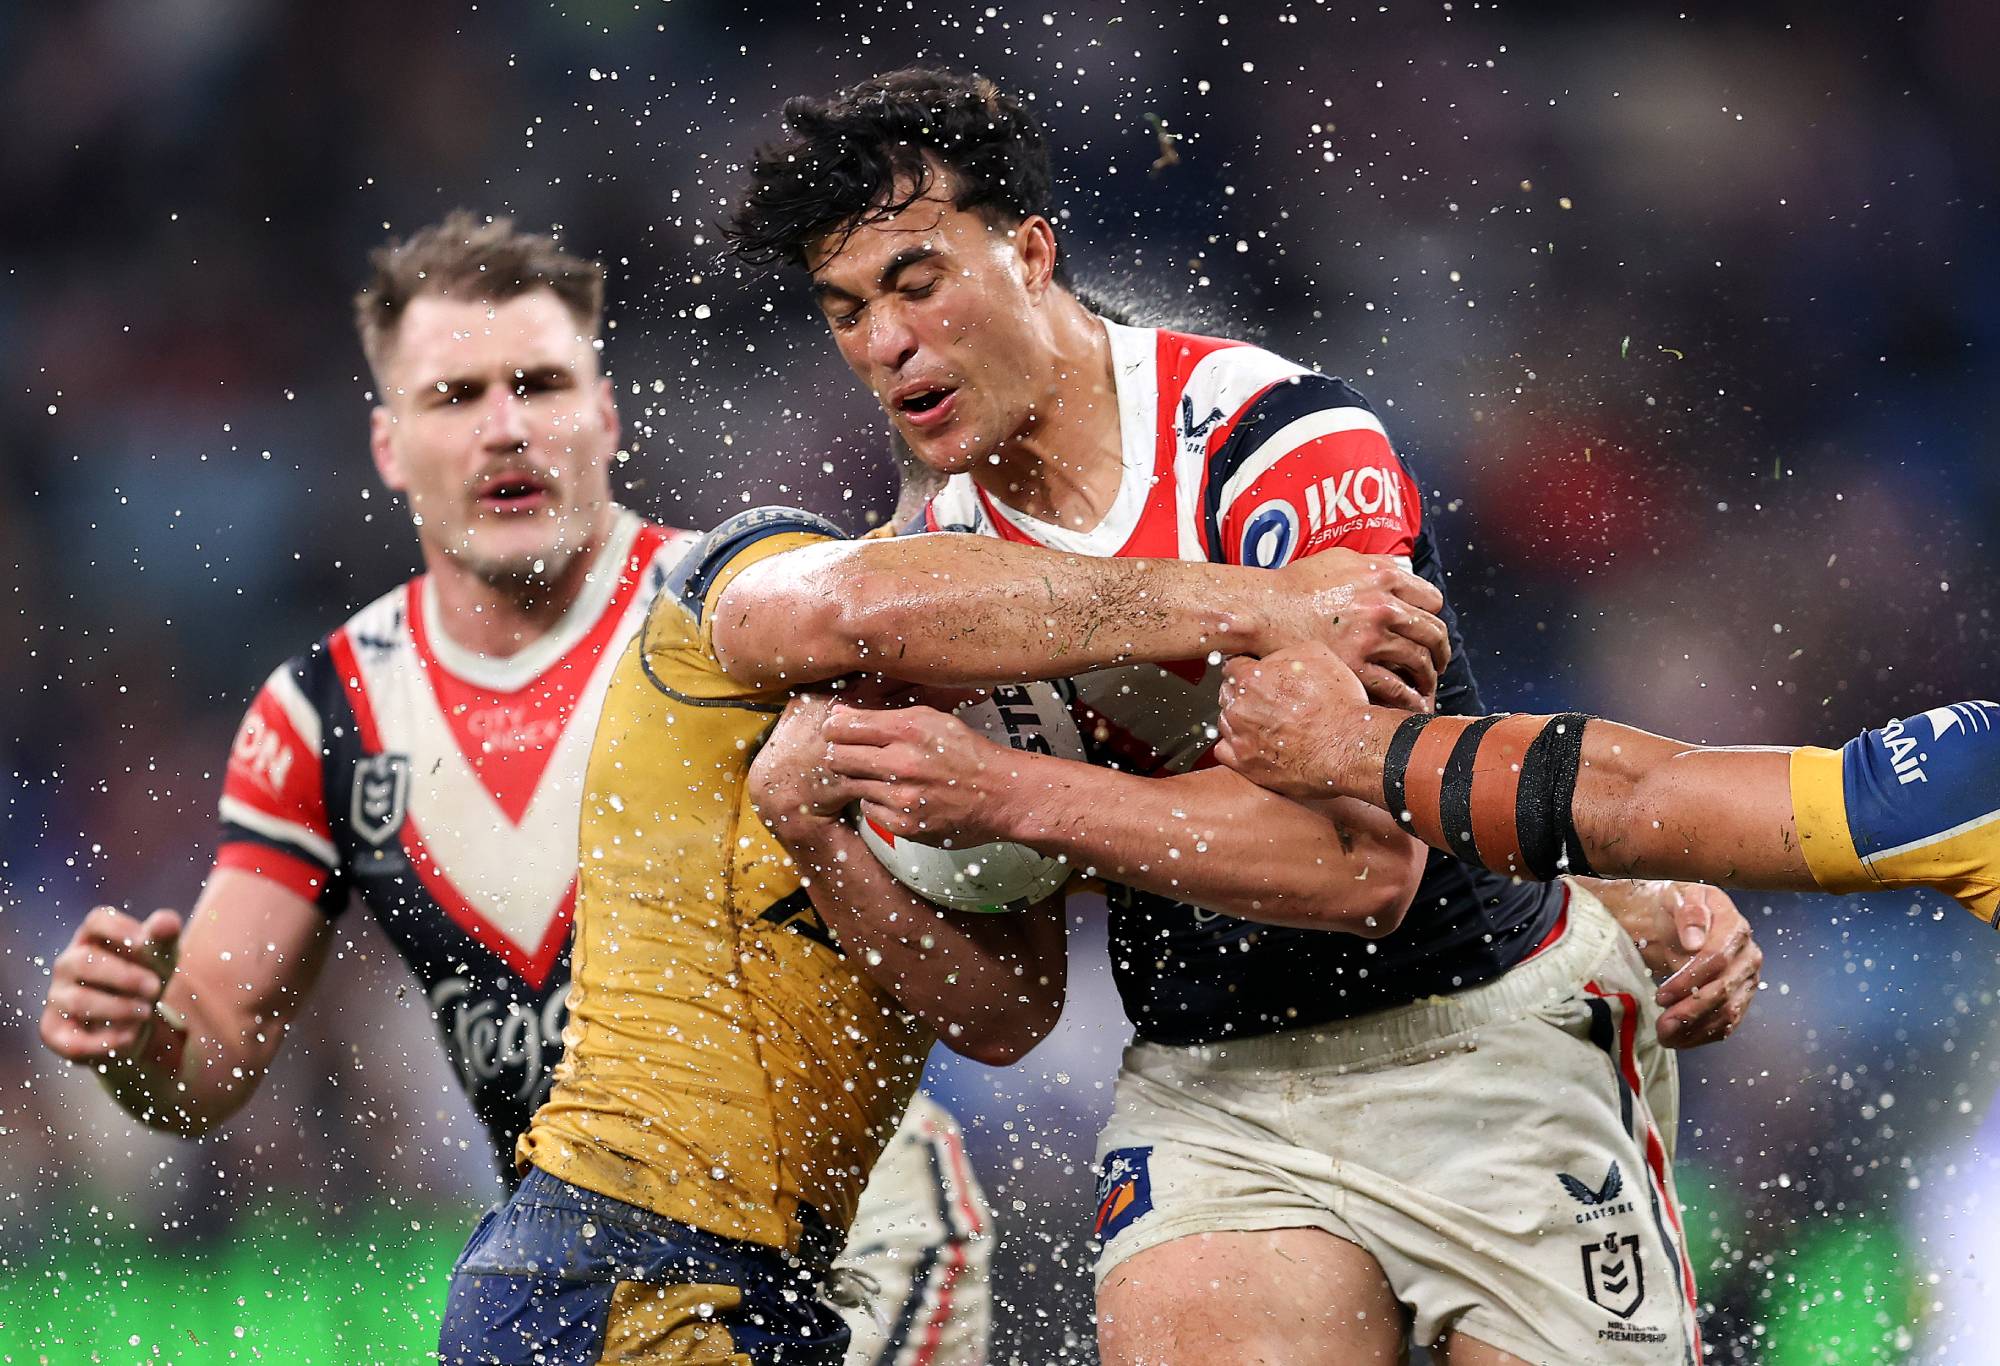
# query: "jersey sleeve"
[[1307, 467], [273, 808], [679, 639], [1912, 804]]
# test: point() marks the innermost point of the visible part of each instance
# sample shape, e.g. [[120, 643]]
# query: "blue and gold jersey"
[[725, 1065], [1913, 804]]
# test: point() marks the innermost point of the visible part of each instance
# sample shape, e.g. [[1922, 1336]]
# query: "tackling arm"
[[1511, 793], [990, 986], [956, 609], [1209, 838]]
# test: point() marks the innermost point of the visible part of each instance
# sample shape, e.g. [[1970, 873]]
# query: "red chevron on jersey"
[[507, 737], [462, 771]]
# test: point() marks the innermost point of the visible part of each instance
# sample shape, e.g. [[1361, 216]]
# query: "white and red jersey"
[[1237, 456], [443, 788], [1231, 455]]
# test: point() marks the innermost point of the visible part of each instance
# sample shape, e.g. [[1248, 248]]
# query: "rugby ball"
[[1033, 717]]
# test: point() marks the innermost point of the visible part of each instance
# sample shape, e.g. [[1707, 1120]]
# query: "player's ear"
[[381, 425], [607, 408], [1035, 241]]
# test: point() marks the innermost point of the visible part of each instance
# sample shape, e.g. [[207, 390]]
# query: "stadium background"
[[1685, 316]]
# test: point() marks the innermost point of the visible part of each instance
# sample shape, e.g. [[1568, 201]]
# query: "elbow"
[[804, 628], [861, 617], [1004, 1042], [1381, 917], [1369, 906]]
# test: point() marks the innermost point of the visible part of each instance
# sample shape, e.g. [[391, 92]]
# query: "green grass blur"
[[282, 1289]]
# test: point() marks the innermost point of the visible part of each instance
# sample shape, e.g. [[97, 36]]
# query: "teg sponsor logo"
[[492, 1038], [1371, 490]]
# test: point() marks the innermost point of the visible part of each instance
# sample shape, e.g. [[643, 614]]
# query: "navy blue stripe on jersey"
[[332, 898], [320, 683], [1192, 977], [710, 555], [1266, 415], [795, 912]]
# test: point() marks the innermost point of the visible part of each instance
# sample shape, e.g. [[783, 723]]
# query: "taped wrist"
[[1491, 790]]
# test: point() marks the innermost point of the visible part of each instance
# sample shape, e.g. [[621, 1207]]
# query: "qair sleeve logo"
[[1124, 1191]]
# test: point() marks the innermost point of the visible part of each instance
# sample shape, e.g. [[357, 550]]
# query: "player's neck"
[[499, 620], [1066, 465]]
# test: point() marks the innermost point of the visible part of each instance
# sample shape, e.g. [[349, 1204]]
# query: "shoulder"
[[1305, 464], [737, 543], [1220, 380]]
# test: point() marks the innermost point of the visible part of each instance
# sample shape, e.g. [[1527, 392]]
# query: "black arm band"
[[1543, 820], [1455, 792], [1396, 763]]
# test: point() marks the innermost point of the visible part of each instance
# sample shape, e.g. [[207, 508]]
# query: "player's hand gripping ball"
[[1000, 876]]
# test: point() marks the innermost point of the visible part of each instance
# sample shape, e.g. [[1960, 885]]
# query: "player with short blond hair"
[[426, 758]]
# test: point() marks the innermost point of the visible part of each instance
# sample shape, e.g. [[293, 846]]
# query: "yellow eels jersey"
[[1913, 804], [724, 1064]]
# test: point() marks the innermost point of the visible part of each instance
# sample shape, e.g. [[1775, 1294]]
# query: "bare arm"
[[991, 986], [958, 609], [1644, 806], [250, 953], [1647, 806], [1210, 838]]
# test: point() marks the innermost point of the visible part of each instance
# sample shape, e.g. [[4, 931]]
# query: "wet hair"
[[468, 257], [868, 152]]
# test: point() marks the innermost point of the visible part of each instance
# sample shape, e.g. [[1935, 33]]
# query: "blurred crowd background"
[[1686, 316]]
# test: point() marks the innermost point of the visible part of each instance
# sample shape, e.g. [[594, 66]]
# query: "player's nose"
[[506, 424], [892, 343]]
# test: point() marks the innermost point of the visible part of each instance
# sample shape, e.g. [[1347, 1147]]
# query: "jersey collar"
[[514, 672], [1135, 371]]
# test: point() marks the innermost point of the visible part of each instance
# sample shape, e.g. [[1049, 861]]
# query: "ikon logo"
[[1370, 489]]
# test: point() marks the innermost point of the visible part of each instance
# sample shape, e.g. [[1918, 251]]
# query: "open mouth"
[[923, 407], [513, 491]]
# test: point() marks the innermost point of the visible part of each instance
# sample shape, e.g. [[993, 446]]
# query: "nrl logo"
[[1613, 1275], [381, 796]]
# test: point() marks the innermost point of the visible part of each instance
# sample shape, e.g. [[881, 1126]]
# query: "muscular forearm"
[[989, 985], [970, 609], [189, 1076], [1646, 806], [1643, 805], [1216, 840]]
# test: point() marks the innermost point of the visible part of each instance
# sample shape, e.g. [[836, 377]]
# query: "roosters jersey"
[[1913, 804], [727, 1066], [1234, 455], [442, 789]]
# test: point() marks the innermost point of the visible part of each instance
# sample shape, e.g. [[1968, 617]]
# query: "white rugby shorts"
[[912, 1282], [1505, 1153]]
